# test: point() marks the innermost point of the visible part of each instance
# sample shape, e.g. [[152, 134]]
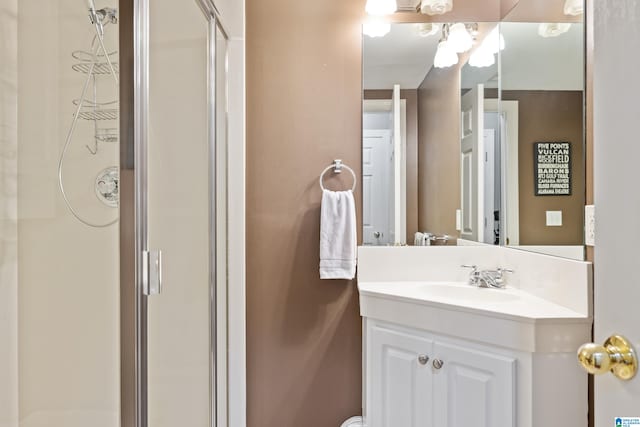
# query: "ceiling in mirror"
[[401, 57], [543, 63], [407, 52]]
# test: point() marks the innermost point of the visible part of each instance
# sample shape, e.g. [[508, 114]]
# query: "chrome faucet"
[[431, 239], [487, 278]]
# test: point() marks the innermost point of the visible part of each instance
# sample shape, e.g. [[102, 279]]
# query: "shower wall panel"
[[68, 272], [8, 213]]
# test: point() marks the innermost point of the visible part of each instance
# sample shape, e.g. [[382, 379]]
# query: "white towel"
[[338, 235], [418, 240]]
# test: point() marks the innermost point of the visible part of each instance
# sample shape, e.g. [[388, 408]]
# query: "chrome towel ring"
[[337, 168]]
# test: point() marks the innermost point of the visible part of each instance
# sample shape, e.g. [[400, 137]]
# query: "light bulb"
[[445, 55], [574, 7], [428, 29], [459, 38], [553, 29], [381, 7], [436, 7], [494, 41], [376, 28], [482, 57]]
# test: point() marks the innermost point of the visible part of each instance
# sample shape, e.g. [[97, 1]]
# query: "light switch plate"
[[590, 225], [554, 218]]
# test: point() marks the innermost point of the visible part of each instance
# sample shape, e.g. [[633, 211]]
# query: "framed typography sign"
[[552, 168]]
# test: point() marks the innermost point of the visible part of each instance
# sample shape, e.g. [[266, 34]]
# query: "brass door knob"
[[616, 355]]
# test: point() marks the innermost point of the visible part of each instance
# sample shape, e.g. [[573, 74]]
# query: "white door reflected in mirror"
[[384, 170]]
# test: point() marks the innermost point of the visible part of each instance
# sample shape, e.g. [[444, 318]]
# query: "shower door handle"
[[152, 268]]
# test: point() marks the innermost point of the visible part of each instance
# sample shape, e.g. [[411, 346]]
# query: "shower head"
[[93, 16]]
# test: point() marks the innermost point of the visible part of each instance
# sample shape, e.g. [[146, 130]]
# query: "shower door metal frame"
[[134, 241]]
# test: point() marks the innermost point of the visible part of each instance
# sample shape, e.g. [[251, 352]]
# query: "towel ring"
[[337, 168]]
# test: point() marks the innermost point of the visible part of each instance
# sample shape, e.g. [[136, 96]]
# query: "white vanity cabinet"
[[508, 355], [399, 381], [418, 379], [473, 387]]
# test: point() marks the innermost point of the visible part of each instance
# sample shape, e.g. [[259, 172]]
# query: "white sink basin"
[[466, 293]]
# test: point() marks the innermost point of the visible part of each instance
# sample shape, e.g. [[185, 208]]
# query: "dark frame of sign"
[[552, 168]]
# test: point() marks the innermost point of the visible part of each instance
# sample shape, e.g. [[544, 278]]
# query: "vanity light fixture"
[[494, 41], [436, 7], [460, 39], [428, 29], [553, 29], [381, 7], [482, 57], [574, 7], [445, 55], [376, 28]]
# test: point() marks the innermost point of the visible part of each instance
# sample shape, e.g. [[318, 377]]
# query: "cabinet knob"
[[423, 359], [437, 363]]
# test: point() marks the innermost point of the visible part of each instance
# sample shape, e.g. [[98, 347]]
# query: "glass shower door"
[[183, 227], [178, 328]]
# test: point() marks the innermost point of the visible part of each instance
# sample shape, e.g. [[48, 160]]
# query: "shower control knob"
[[377, 234], [438, 364], [423, 359]]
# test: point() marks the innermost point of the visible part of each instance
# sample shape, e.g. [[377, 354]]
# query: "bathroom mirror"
[[542, 108], [412, 133], [422, 170]]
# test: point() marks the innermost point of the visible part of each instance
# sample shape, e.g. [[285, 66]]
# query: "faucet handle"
[[499, 279], [473, 268]]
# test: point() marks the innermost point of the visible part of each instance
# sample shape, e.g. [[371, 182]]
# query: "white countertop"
[[509, 303], [508, 318]]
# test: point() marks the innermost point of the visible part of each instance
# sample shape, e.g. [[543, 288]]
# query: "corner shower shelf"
[[98, 68], [87, 61], [110, 114], [97, 111]]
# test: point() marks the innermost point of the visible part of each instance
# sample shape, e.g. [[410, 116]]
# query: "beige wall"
[[439, 151], [8, 213], [304, 110], [411, 97], [304, 90], [68, 272], [547, 116]]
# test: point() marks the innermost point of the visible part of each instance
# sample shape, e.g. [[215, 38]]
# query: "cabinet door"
[[399, 384], [473, 388]]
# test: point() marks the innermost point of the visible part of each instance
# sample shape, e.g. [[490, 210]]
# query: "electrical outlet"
[[590, 225], [459, 219]]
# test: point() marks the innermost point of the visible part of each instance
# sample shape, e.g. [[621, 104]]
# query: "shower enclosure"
[[113, 204]]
